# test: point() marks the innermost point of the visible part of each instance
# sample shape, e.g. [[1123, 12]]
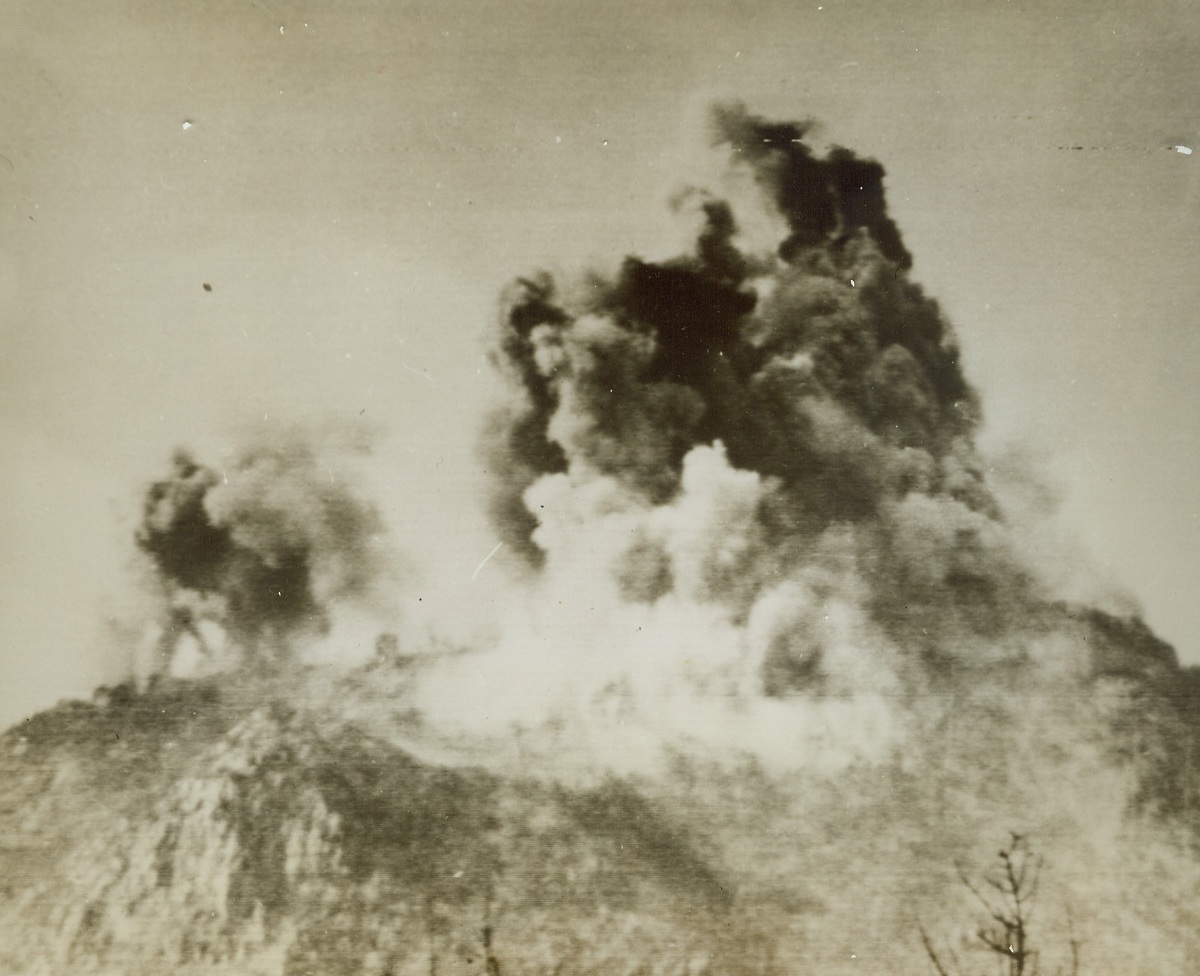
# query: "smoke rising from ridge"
[[761, 577], [742, 484], [821, 366], [257, 554], [749, 472]]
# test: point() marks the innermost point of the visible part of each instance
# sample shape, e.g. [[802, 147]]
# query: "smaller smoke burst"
[[256, 554]]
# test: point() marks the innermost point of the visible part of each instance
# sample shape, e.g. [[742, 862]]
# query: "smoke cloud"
[[748, 473], [750, 544], [256, 555], [822, 366], [743, 491]]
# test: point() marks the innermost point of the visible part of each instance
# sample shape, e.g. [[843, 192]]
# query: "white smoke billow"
[[672, 625]]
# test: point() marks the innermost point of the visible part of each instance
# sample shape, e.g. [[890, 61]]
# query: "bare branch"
[[1074, 943], [992, 942], [993, 913], [931, 952]]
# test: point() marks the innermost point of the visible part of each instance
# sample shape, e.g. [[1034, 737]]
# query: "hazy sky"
[[355, 180]]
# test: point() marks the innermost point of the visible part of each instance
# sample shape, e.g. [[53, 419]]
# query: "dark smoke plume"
[[260, 550], [814, 364], [822, 199]]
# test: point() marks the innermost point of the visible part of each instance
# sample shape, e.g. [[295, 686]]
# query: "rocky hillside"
[[242, 827], [177, 829]]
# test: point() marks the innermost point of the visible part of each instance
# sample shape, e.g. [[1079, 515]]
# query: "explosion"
[[254, 558], [744, 485], [761, 615]]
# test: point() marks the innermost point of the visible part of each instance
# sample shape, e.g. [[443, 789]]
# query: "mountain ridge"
[[236, 825], [245, 824]]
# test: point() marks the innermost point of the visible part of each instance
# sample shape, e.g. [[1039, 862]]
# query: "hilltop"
[[238, 825]]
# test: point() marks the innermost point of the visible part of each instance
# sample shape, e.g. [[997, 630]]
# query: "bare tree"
[[1006, 897]]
